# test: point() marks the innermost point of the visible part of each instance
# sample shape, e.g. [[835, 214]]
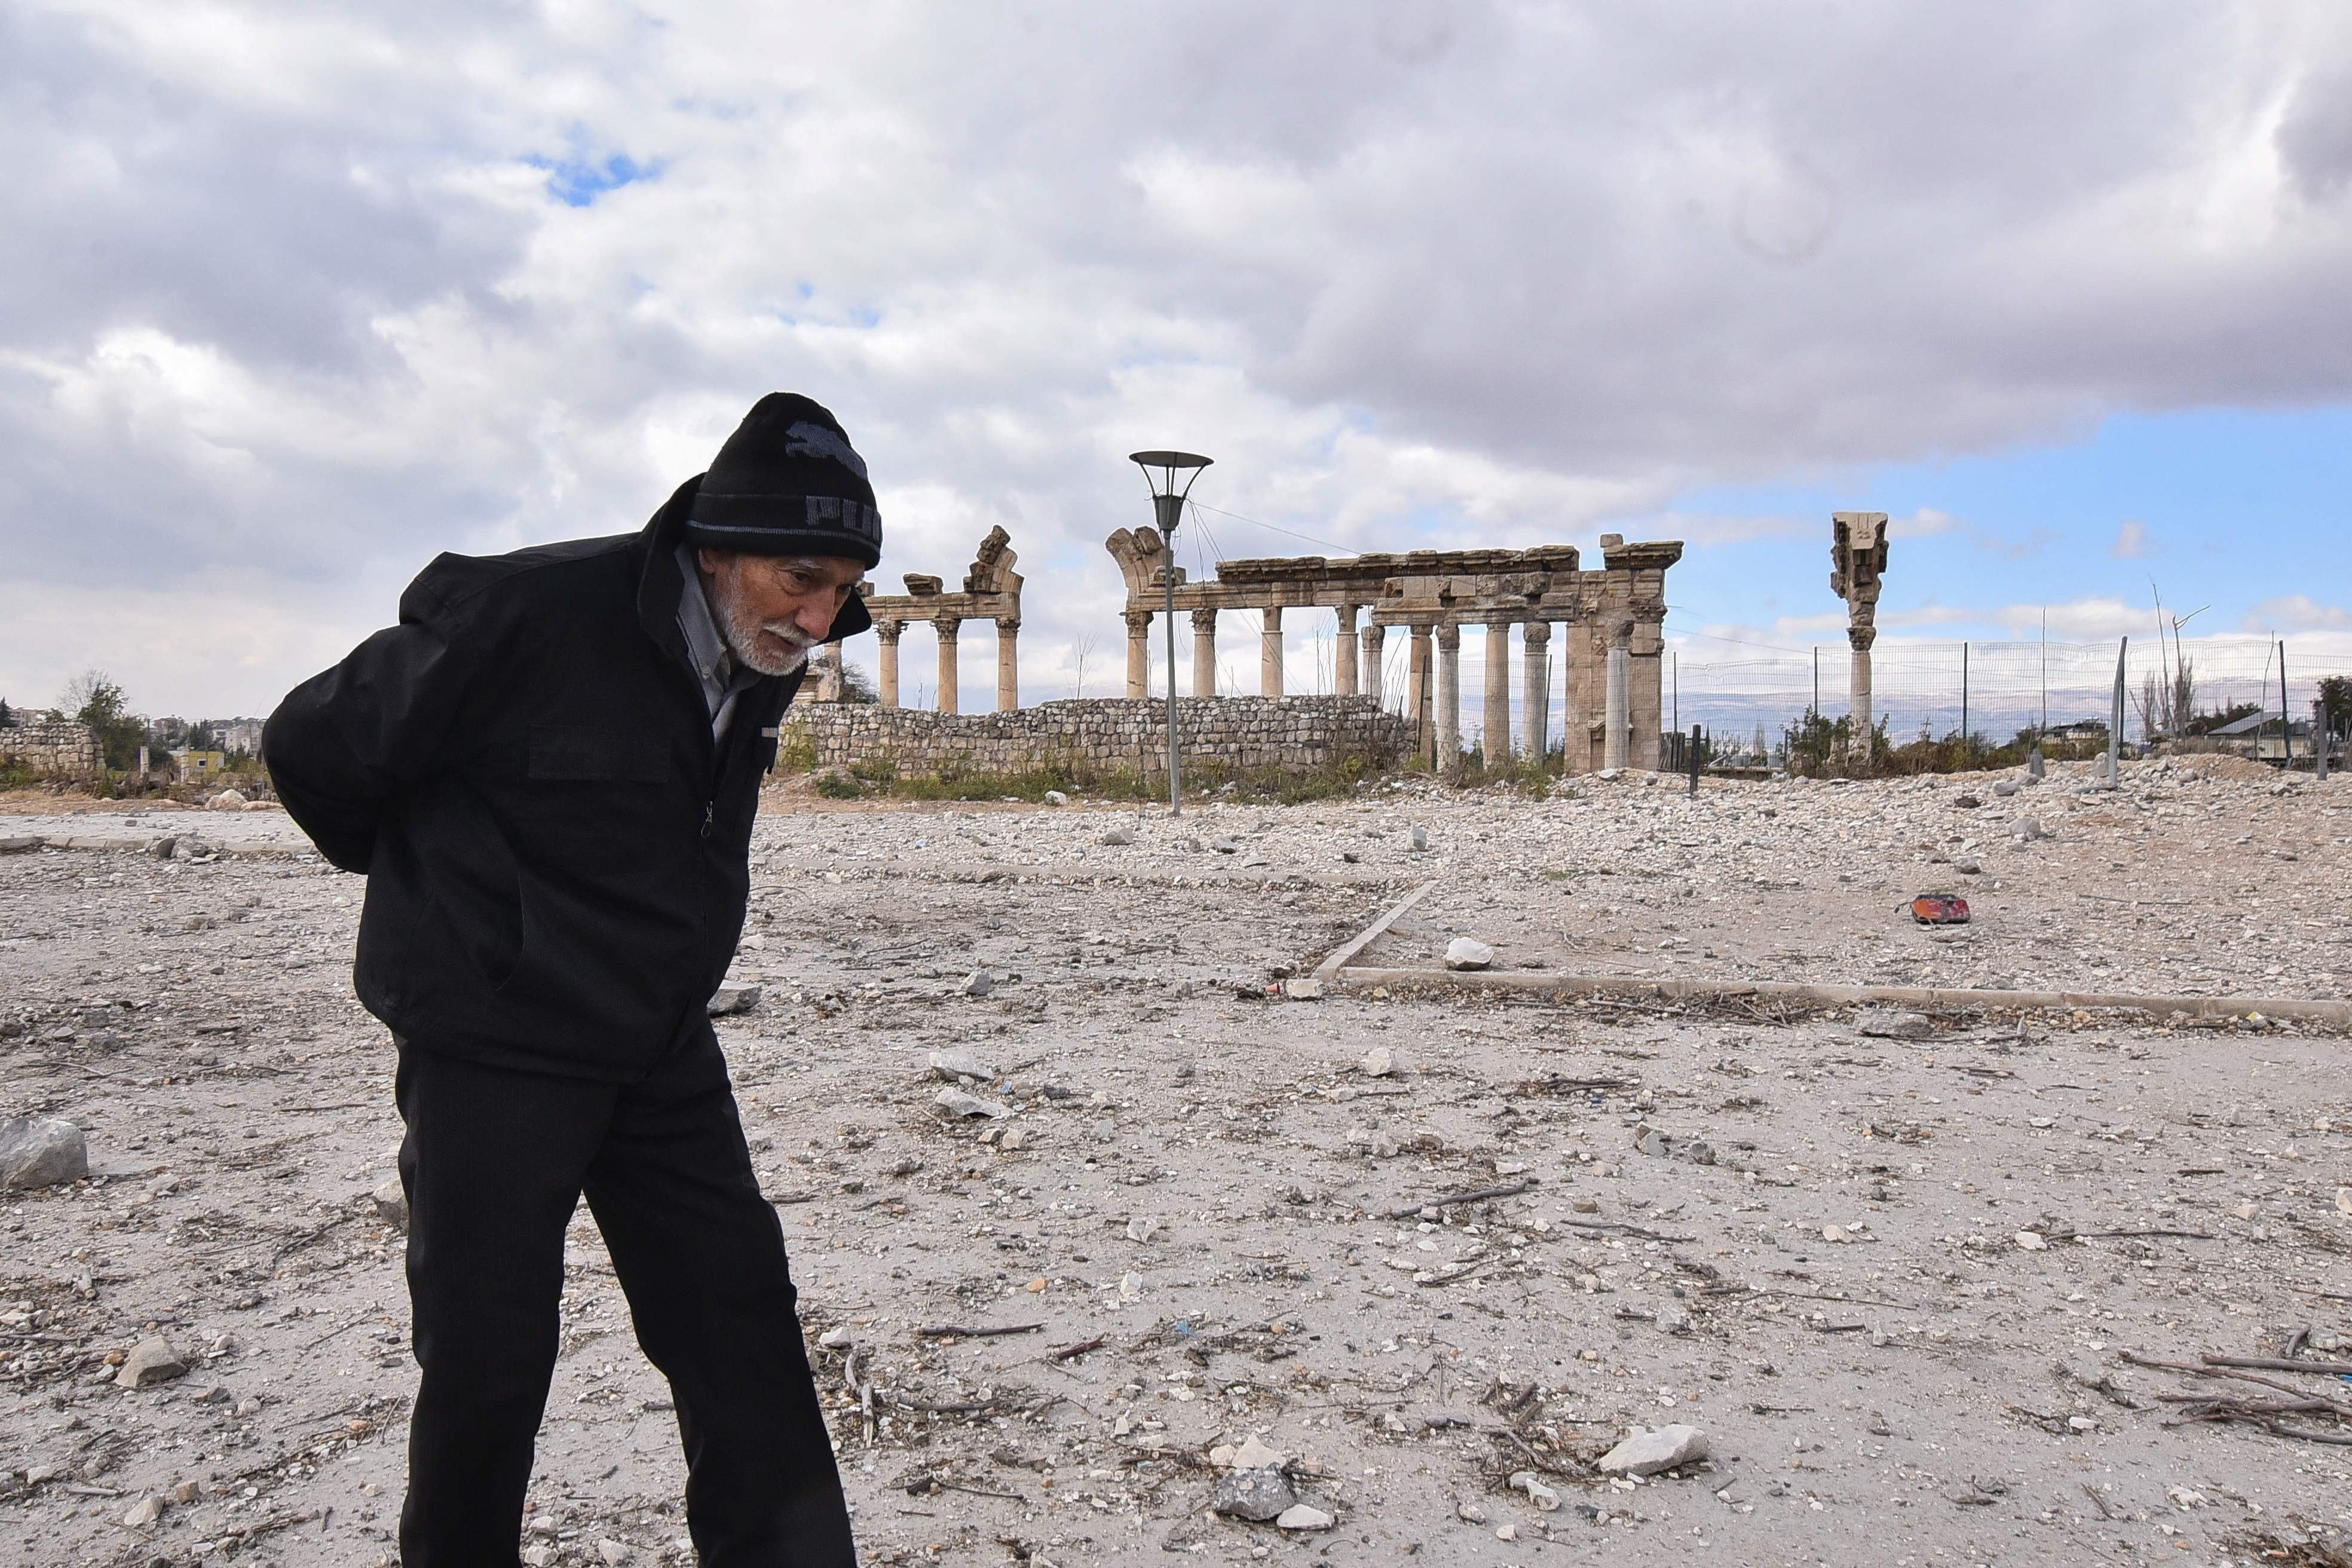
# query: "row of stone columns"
[[1008, 663], [1433, 689]]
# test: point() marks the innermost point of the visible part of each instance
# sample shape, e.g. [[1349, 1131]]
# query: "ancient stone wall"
[[1095, 735], [52, 751]]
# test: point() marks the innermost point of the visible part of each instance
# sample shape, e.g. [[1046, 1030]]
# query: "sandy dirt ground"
[[1896, 1270]]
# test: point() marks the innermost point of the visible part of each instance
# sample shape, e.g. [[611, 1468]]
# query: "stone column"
[[1416, 699], [1646, 707], [1449, 697], [1204, 653], [1535, 701], [948, 625], [1374, 637], [1008, 663], [1269, 653], [886, 661], [1495, 710], [1139, 653], [828, 673], [1615, 725], [1859, 639], [1343, 654]]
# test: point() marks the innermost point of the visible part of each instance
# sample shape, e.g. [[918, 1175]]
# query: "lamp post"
[[1168, 507]]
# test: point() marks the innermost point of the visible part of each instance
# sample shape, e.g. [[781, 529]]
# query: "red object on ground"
[[1940, 909]]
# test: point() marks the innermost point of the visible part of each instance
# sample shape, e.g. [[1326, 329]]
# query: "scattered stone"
[[2005, 788], [1143, 1227], [187, 1492], [2031, 1241], [1470, 1513], [1258, 1495], [1468, 952], [1116, 837], [1055, 797], [1014, 1140], [1669, 1146], [1884, 1025], [979, 982], [1966, 801], [1225, 845], [228, 800], [1106, 1131], [1676, 1320], [1646, 1453], [956, 1103], [391, 1202], [151, 1361], [1418, 838], [143, 1513], [41, 1153], [161, 848], [2028, 830], [1968, 866], [1609, 776], [1381, 1061], [1300, 1516], [1254, 1455], [1306, 988], [1542, 1496], [959, 1063], [732, 997], [614, 1553]]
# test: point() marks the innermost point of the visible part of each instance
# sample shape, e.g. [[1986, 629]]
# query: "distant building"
[[190, 765], [237, 735]]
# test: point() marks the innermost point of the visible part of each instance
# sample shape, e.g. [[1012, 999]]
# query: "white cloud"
[[2131, 542], [290, 305], [2298, 613]]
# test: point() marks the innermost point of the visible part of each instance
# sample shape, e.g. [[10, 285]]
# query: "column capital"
[[1537, 633], [1861, 637], [948, 626], [1008, 625], [1449, 635], [888, 631], [1204, 620], [1139, 622]]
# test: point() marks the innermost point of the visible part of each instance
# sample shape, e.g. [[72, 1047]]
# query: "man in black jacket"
[[548, 772]]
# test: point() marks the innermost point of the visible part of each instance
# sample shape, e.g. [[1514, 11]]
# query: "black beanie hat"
[[787, 483]]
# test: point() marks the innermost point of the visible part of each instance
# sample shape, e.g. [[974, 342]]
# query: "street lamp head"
[[1167, 498]]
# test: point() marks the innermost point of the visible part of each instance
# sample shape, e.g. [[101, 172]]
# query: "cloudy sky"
[[298, 297]]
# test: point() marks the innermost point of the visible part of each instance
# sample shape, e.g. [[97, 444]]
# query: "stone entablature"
[[58, 750], [1104, 735], [1615, 618], [992, 592]]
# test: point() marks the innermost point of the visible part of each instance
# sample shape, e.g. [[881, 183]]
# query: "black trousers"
[[494, 1164]]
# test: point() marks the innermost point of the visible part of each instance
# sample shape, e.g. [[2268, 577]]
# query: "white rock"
[[1379, 1062], [151, 1361], [1115, 836], [1299, 1516], [2031, 1241], [228, 800], [614, 1554], [1542, 1496], [391, 1202], [41, 1153], [979, 982], [1646, 1453], [959, 1063], [143, 1513], [1306, 988], [1142, 1227], [1254, 1455], [1468, 952], [1055, 797], [957, 1103]]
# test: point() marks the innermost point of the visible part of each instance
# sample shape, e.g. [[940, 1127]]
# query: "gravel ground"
[[1891, 1266]]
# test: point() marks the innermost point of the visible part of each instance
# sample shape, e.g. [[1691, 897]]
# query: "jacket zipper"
[[709, 808]]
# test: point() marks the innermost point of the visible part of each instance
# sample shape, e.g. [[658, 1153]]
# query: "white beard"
[[743, 635]]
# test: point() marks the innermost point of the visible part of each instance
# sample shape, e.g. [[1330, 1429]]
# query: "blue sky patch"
[[578, 181]]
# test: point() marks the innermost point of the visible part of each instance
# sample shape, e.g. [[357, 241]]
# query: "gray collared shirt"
[[723, 679]]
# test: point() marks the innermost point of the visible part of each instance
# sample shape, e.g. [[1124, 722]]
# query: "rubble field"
[[1110, 1246]]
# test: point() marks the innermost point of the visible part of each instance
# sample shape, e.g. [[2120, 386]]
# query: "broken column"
[[1204, 653], [1536, 703], [885, 661], [947, 627], [1417, 695], [1616, 726], [1449, 697], [1373, 636], [1269, 666], [1495, 710], [1857, 559], [1343, 654], [828, 673], [1139, 653], [1008, 663]]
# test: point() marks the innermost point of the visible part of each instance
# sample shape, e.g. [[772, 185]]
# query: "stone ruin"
[[992, 592], [52, 749], [1613, 620], [1857, 562]]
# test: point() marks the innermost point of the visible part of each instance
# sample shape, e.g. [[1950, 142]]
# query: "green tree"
[[856, 686], [2336, 702], [93, 699]]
